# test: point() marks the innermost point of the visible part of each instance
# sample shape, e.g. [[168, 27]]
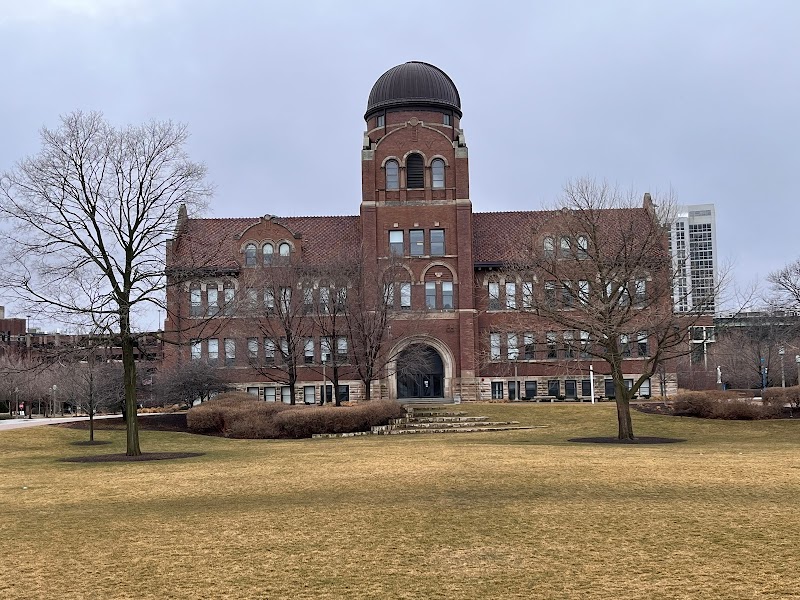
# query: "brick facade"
[[412, 204]]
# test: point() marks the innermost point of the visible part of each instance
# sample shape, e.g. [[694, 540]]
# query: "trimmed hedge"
[[782, 396], [722, 405], [239, 415]]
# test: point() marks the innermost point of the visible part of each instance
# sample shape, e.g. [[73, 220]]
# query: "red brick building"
[[415, 218]]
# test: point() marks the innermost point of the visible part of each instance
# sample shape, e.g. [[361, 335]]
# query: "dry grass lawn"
[[498, 515]]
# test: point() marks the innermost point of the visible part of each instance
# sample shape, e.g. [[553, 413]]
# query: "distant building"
[[693, 242]]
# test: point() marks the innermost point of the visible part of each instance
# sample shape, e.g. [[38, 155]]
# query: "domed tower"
[[415, 210]]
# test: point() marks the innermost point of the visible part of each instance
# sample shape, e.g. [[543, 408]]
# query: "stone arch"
[[438, 263], [442, 350]]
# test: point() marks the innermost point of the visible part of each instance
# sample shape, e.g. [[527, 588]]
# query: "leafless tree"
[[187, 382], [89, 216], [785, 284], [598, 267]]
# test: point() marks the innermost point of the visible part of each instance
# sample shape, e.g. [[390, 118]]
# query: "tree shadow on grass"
[[146, 456], [90, 443], [643, 440]]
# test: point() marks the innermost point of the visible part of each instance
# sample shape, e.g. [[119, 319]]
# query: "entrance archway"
[[420, 373]]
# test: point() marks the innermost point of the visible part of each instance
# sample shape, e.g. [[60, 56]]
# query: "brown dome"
[[414, 84]]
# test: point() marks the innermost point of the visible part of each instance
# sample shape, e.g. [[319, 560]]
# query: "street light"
[[55, 390], [781, 352]]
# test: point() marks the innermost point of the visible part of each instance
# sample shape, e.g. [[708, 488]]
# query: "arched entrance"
[[420, 373]]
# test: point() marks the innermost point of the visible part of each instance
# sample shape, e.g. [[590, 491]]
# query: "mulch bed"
[[147, 422], [639, 440], [146, 456]]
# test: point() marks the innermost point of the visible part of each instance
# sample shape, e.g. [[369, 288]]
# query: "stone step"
[[452, 430], [454, 425], [460, 419], [435, 413]]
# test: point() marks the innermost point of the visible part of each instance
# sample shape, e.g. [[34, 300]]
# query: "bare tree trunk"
[[129, 378], [623, 411]]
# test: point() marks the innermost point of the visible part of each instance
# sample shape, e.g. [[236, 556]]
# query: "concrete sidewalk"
[[7, 424]]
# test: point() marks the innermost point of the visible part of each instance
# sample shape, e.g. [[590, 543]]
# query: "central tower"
[[415, 210]]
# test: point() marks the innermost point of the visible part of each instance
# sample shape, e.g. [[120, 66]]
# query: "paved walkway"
[[6, 424]]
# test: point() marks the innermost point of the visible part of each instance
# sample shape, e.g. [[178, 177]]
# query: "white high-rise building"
[[693, 242]]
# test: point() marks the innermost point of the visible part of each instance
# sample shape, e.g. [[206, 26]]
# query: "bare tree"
[[189, 381], [785, 284], [598, 268], [89, 218]]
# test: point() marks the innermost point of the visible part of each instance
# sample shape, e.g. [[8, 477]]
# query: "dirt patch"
[[146, 456], [147, 422], [639, 440]]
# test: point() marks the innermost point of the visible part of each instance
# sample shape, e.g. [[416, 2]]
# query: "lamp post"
[[797, 360], [16, 398], [324, 387], [763, 374], [55, 391], [591, 381], [781, 352]]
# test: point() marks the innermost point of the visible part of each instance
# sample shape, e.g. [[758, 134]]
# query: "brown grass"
[[507, 515]]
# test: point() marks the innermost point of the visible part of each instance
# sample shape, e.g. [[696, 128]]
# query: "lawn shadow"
[[146, 456], [643, 440], [90, 443]]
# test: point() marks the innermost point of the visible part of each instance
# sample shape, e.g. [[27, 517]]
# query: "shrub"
[[239, 415], [721, 405]]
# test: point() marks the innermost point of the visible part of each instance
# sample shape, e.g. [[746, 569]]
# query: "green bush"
[[240, 415], [722, 405]]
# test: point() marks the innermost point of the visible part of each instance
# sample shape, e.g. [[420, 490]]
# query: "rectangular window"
[[512, 347], [195, 350], [446, 119], [585, 348], [341, 299], [530, 389], [230, 351], [529, 346], [326, 393], [527, 295], [497, 390], [511, 295], [640, 295], [552, 345], [550, 294], [583, 291], [227, 295], [571, 388], [212, 296], [213, 351], [430, 295], [253, 391], [405, 296], [324, 300], [285, 351], [494, 346], [269, 394], [325, 349], [644, 389], [554, 388], [494, 295], [641, 344], [447, 295], [624, 345], [252, 349], [251, 294], [269, 300], [286, 394], [308, 351], [566, 294], [309, 395], [308, 300], [388, 294], [437, 242], [341, 347], [344, 393], [416, 240], [381, 120], [396, 245], [196, 303], [610, 390], [569, 345], [269, 352], [512, 390], [586, 388]]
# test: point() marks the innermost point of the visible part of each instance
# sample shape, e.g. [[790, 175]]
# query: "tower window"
[[447, 119], [415, 172], [392, 175], [381, 120], [437, 173]]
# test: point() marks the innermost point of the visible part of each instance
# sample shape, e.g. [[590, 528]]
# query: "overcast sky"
[[698, 97]]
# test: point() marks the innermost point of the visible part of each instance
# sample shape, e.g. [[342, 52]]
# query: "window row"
[[283, 393], [415, 173], [251, 253], [568, 246], [416, 242], [438, 295], [571, 389], [268, 351], [216, 302], [559, 345], [380, 120], [562, 294]]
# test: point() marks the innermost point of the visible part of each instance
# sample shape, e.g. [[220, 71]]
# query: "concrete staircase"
[[434, 419]]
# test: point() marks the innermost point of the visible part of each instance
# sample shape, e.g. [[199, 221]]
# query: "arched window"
[[437, 173], [392, 175], [268, 250], [582, 250], [549, 247], [284, 249], [415, 172], [565, 246], [250, 255]]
